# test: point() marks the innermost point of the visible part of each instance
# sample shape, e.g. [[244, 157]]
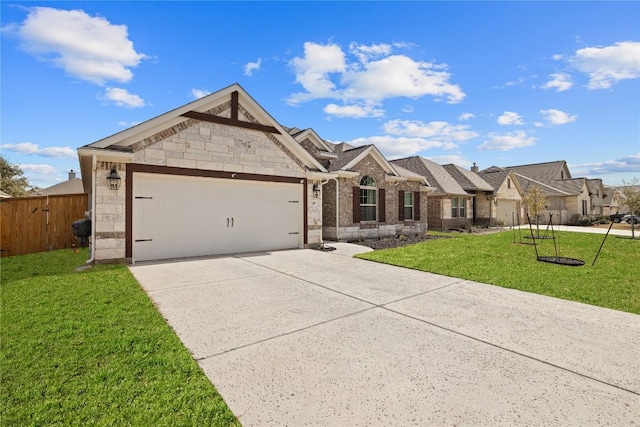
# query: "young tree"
[[536, 202], [13, 182], [631, 192]]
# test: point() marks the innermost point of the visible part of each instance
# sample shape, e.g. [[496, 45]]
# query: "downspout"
[[94, 172], [322, 183], [337, 210]]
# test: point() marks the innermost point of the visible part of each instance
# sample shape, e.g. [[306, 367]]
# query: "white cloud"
[[397, 147], [370, 75], [559, 81], [557, 57], [608, 65], [122, 98], [626, 164], [35, 150], [466, 116], [510, 118], [452, 159], [199, 93], [38, 169], [314, 69], [399, 75], [557, 117], [353, 111], [250, 67], [439, 130], [507, 141], [127, 124], [365, 53], [85, 46]]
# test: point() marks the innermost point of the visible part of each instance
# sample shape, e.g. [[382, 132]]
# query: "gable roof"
[[494, 176], [123, 142], [312, 136], [543, 172], [436, 175], [469, 181], [71, 186], [348, 159]]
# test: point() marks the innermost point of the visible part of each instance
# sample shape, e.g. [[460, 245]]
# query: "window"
[[408, 205], [458, 207], [508, 182], [584, 207], [368, 198]]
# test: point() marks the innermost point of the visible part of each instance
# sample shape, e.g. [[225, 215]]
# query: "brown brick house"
[[368, 197]]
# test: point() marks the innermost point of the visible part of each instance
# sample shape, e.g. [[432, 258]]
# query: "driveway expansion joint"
[[536, 359]]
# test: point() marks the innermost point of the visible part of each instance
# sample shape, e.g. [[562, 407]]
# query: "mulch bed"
[[398, 241]]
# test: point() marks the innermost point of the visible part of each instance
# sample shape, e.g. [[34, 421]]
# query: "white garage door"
[[507, 211], [179, 216]]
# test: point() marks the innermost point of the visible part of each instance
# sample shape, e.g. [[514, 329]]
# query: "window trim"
[[411, 206], [365, 185]]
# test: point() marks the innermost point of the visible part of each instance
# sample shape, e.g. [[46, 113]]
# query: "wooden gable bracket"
[[233, 121]]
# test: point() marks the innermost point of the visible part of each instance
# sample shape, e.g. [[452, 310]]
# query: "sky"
[[491, 83]]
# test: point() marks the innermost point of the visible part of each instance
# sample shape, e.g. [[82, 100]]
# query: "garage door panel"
[[191, 216]]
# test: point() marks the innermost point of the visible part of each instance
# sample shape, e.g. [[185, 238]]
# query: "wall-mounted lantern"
[[316, 190], [113, 179]]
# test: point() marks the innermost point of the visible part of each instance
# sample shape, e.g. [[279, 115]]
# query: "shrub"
[[574, 219], [584, 221]]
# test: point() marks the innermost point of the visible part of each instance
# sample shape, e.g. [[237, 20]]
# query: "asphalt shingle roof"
[[437, 176], [469, 181]]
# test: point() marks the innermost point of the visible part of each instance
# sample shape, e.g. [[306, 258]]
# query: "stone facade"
[[211, 146], [439, 214], [110, 238], [196, 145]]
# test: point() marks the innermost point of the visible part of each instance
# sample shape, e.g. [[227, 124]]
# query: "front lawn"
[[613, 282], [90, 348]]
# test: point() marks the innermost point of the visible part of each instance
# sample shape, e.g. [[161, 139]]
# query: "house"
[[612, 202], [217, 175], [72, 185], [566, 196], [450, 205], [4, 195], [473, 184], [598, 196], [369, 197], [505, 204]]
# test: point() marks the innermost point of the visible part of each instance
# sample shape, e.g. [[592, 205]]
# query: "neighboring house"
[[71, 186], [506, 202], [450, 206], [4, 195], [217, 175], [566, 196], [598, 196], [481, 209], [369, 197], [612, 201]]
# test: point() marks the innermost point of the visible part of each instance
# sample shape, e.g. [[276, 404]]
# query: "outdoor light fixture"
[[113, 179], [316, 190]]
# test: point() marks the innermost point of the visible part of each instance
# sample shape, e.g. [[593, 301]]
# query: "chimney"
[[72, 174], [474, 168]]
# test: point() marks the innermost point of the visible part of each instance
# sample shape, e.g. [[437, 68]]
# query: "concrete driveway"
[[304, 337]]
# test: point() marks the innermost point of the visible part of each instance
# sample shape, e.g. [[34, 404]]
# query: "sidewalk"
[[578, 229]]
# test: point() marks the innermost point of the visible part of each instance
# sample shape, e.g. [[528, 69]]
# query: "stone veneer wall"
[[110, 214], [197, 145]]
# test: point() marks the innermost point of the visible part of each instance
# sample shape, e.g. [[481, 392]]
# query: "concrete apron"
[[310, 338]]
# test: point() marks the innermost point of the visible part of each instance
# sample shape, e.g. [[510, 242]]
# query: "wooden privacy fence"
[[42, 223]]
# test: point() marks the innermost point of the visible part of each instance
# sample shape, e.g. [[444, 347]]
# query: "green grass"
[[89, 348], [613, 282]]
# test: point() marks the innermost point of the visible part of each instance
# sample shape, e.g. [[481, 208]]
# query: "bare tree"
[[536, 202], [631, 192]]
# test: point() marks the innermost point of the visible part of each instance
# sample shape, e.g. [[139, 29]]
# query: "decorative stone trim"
[[173, 130], [272, 138], [110, 235]]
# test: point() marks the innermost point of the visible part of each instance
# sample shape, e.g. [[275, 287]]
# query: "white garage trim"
[[174, 212]]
